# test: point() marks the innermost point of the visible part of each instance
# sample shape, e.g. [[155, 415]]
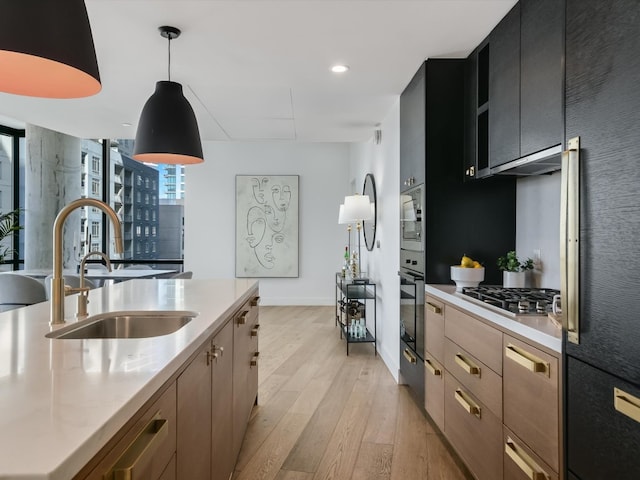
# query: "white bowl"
[[466, 277]]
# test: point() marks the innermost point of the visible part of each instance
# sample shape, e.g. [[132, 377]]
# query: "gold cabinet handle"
[[254, 330], [433, 308], [523, 461], [527, 360], [255, 301], [467, 365], [242, 319], [433, 370], [410, 358], [467, 403], [254, 359], [570, 240], [139, 454], [626, 404]]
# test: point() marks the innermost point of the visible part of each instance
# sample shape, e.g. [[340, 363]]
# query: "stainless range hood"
[[544, 161]]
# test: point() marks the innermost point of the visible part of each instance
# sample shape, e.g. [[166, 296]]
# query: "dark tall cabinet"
[[603, 370]]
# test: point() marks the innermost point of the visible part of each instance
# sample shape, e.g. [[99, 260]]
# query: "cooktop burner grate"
[[521, 301]]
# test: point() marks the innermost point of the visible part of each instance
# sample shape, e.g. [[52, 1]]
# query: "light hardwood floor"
[[324, 415]]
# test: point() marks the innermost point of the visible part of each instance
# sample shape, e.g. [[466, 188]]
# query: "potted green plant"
[[8, 225], [514, 270]]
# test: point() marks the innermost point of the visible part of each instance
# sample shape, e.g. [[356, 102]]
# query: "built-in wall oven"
[[412, 321]]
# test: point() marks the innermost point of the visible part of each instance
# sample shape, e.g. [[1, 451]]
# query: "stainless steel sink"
[[126, 324]]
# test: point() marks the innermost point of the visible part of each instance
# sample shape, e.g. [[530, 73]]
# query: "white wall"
[[538, 226], [210, 214], [382, 263]]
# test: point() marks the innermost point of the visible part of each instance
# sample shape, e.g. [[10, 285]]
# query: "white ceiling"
[[259, 69]]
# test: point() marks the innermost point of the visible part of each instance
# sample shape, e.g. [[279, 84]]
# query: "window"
[[146, 214], [95, 229], [146, 183], [138, 230], [146, 247], [95, 164], [153, 199], [139, 180], [146, 231], [153, 215], [95, 186], [138, 196], [153, 231], [146, 199], [138, 214]]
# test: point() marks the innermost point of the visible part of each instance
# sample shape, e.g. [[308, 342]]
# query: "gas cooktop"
[[514, 301]]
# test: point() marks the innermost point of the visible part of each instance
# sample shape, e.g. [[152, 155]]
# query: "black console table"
[[355, 299]]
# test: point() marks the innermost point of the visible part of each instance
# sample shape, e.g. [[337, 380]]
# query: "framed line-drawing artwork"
[[267, 225]]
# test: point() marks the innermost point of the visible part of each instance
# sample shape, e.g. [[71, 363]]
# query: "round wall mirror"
[[369, 227]]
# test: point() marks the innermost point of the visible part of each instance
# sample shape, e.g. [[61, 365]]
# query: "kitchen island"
[[62, 401]]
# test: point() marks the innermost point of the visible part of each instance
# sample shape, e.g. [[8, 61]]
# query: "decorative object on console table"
[[357, 208], [343, 220], [514, 271], [267, 225]]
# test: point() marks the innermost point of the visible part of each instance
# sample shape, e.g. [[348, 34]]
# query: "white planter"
[[513, 279]]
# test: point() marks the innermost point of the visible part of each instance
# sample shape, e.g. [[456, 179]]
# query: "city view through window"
[[149, 201]]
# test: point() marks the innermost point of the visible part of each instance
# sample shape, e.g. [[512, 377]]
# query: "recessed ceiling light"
[[339, 68], [126, 124]]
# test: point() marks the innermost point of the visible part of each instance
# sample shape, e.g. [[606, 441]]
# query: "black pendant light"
[[167, 130], [46, 49]]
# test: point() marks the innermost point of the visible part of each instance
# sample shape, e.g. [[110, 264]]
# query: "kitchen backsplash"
[[538, 226]]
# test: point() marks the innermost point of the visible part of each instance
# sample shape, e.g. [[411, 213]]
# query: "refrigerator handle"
[[570, 240]]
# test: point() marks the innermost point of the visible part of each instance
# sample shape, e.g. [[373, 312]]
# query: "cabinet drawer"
[[434, 390], [152, 462], [476, 377], [531, 398], [473, 430], [434, 328], [480, 340], [520, 463], [602, 439]]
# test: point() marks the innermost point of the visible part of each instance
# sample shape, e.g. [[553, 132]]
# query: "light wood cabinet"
[[471, 372], [215, 395], [434, 390], [194, 418], [434, 328], [479, 339], [222, 458], [531, 398], [521, 463], [473, 430], [146, 445], [495, 396], [245, 369]]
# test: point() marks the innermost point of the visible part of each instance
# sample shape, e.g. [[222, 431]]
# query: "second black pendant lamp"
[[167, 129]]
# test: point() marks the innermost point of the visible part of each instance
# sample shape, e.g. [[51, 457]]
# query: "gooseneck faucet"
[[57, 282]]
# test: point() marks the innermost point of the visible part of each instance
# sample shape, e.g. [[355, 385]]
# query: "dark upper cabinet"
[[515, 80], [541, 79], [412, 130], [504, 89]]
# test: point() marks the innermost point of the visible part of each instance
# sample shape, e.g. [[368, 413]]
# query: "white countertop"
[[62, 400], [536, 328]]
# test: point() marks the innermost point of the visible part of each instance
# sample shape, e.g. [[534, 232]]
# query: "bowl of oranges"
[[468, 274]]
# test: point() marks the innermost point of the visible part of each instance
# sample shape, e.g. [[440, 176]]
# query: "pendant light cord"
[[169, 56]]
